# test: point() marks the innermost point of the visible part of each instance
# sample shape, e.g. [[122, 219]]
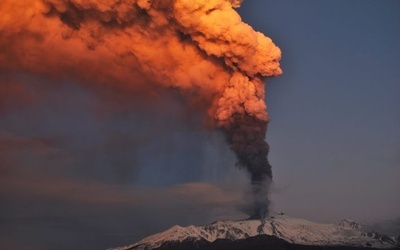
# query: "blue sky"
[[335, 129]]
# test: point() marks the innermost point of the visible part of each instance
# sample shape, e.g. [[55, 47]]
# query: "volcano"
[[278, 231]]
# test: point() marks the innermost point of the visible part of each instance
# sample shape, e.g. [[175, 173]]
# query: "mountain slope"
[[282, 227]]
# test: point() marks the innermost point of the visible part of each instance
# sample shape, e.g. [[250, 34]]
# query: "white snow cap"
[[293, 230]]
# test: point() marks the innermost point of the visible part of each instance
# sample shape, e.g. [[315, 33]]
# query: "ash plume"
[[200, 48]]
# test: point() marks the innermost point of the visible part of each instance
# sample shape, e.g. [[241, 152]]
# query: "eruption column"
[[243, 118], [199, 47]]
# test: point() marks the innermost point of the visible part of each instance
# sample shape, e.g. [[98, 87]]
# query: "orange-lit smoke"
[[199, 47]]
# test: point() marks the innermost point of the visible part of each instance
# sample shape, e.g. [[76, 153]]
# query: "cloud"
[[26, 173], [48, 202], [70, 211], [388, 227], [144, 47], [44, 186]]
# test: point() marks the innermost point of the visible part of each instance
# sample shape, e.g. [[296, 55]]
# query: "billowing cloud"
[[201, 49]]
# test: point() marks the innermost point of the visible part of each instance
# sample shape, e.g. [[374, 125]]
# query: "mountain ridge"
[[298, 233]]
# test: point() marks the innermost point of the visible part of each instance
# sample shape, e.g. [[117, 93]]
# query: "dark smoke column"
[[243, 119], [241, 112], [246, 139]]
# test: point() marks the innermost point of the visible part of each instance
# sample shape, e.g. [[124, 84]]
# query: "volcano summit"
[[276, 232]]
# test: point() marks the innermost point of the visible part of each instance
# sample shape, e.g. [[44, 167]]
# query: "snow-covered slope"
[[293, 230]]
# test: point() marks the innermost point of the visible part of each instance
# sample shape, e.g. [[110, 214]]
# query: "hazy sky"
[[83, 171]]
